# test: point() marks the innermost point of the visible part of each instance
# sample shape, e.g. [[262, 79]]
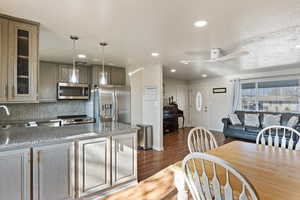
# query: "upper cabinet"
[[114, 75], [20, 64], [118, 76], [3, 59], [48, 82], [65, 73]]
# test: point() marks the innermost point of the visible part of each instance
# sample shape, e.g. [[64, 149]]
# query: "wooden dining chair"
[[201, 140], [196, 167], [279, 136]]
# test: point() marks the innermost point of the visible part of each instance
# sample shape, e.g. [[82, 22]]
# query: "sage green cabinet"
[[15, 175], [3, 59], [18, 61], [93, 166], [48, 82], [65, 73], [54, 172]]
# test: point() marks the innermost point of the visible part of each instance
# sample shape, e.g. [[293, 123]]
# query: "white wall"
[[220, 105], [144, 111], [180, 91]]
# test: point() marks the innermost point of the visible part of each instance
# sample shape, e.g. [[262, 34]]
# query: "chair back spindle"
[[196, 167], [201, 140], [279, 136]]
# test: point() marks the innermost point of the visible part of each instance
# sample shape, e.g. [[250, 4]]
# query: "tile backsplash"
[[43, 110]]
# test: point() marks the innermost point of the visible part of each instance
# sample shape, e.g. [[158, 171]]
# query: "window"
[[199, 101], [271, 95]]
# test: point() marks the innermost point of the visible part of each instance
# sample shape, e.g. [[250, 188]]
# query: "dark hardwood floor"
[[175, 149]]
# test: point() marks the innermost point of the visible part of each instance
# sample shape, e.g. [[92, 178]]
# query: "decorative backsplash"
[[43, 110]]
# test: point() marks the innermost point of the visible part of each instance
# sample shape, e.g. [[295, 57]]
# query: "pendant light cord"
[[103, 71], [74, 62]]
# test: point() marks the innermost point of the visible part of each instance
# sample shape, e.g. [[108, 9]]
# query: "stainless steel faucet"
[[6, 109]]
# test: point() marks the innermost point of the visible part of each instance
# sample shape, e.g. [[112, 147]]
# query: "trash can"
[[145, 136]]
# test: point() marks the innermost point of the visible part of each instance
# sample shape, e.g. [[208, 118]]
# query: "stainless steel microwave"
[[75, 91]]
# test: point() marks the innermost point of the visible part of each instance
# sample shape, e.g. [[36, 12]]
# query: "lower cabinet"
[[124, 158], [53, 172], [93, 166], [15, 175]]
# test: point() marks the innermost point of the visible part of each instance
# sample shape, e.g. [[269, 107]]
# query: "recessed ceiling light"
[[200, 23], [173, 70], [155, 54], [204, 75], [297, 46], [81, 56]]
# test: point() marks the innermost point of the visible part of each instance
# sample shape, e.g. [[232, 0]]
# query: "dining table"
[[273, 172]]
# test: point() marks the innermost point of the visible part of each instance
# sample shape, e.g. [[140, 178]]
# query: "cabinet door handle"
[[6, 91], [13, 91]]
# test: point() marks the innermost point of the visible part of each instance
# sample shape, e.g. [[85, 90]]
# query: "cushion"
[[252, 120], [234, 120], [271, 120], [236, 127], [293, 121]]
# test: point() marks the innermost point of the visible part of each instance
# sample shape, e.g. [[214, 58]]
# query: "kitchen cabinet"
[[97, 73], [114, 75], [48, 82], [124, 158], [118, 76], [54, 172], [18, 60], [3, 58], [65, 73], [93, 171], [15, 174], [22, 62]]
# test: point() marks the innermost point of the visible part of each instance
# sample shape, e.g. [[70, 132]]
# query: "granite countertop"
[[39, 135]]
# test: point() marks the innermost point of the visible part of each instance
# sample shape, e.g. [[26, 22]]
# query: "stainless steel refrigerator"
[[112, 104]]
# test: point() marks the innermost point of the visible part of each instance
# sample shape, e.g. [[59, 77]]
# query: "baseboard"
[[158, 148]]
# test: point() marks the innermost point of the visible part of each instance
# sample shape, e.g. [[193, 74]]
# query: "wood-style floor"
[[175, 149]]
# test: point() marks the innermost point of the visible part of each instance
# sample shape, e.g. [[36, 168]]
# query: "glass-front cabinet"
[[23, 62], [3, 59]]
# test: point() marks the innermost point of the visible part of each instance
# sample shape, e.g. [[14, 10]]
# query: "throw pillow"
[[293, 121], [252, 120], [271, 120], [234, 120]]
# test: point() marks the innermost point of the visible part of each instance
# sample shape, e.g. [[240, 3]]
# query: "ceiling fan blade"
[[230, 56]]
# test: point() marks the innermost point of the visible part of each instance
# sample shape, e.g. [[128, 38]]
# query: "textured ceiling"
[[135, 28]]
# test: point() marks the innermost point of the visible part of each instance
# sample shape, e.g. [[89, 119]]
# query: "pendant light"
[[103, 80], [74, 78]]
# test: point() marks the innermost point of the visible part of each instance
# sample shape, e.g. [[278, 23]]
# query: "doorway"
[[199, 107]]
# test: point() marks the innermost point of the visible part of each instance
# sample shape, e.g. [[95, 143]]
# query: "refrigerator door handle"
[[117, 108]]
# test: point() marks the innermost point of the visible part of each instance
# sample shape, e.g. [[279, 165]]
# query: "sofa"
[[250, 133]]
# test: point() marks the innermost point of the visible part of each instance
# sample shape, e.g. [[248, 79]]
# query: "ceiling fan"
[[217, 55]]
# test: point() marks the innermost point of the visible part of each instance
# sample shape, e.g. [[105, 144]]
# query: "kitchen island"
[[70, 162]]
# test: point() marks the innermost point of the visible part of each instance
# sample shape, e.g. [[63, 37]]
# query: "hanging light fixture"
[[103, 79], [74, 78]]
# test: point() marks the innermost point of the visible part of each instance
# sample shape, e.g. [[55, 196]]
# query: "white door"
[[199, 107]]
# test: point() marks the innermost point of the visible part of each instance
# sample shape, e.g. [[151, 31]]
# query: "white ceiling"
[[136, 28]]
